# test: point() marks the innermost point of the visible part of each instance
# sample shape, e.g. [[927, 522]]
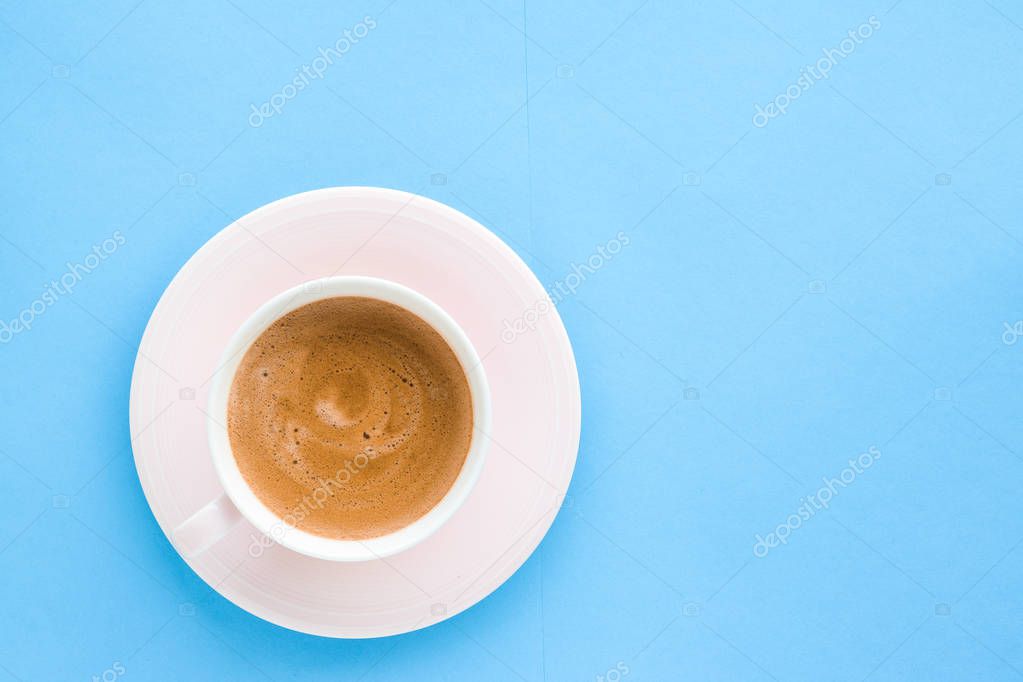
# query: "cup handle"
[[206, 527]]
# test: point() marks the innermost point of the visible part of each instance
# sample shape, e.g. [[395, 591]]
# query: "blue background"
[[790, 296]]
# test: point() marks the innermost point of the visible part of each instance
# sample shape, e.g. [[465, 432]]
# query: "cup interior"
[[253, 509]]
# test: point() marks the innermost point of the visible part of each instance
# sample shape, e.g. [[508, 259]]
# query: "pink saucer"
[[475, 277]]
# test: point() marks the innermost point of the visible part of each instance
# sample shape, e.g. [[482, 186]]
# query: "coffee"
[[350, 417]]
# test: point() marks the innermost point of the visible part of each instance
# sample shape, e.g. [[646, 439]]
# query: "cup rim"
[[245, 499]]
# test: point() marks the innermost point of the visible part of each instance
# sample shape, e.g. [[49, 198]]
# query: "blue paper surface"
[[822, 208]]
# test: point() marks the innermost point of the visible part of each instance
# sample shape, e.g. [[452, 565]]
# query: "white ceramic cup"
[[213, 522]]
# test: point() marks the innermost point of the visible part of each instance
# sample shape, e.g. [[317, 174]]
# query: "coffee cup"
[[215, 520]]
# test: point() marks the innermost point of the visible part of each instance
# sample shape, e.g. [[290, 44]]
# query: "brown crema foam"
[[350, 417]]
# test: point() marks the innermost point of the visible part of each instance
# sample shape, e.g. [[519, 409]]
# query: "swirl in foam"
[[350, 417]]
